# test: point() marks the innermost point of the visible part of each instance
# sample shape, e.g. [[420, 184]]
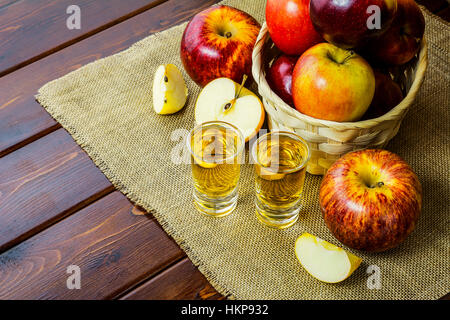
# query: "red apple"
[[218, 42], [279, 77], [331, 83], [345, 22], [388, 95], [290, 26], [402, 40], [370, 200]]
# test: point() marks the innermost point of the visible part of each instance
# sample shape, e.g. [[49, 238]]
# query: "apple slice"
[[225, 100], [323, 260], [169, 90], [267, 174]]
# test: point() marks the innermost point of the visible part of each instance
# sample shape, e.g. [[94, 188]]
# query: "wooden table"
[[56, 207]]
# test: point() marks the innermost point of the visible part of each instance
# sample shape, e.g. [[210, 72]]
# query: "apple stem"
[[378, 184], [241, 86], [230, 104], [348, 57]]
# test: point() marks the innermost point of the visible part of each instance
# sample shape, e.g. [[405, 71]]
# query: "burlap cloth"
[[107, 107]]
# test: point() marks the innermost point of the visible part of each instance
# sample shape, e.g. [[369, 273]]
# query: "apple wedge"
[[225, 100], [267, 174], [169, 90], [323, 260]]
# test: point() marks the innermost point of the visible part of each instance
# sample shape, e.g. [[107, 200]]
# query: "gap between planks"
[[79, 38]]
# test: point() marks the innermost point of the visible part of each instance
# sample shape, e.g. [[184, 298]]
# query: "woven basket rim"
[[394, 114]]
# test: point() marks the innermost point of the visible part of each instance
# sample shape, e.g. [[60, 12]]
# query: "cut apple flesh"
[[267, 174], [323, 260], [169, 90], [218, 102]]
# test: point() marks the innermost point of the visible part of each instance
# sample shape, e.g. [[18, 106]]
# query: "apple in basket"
[[218, 42], [331, 83], [370, 200], [279, 77], [388, 95], [290, 26], [401, 42], [350, 23]]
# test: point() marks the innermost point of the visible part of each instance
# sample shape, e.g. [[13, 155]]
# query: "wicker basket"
[[329, 140]]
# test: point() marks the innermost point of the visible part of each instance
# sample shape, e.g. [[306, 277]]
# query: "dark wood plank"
[[182, 281], [44, 182], [23, 120], [32, 29], [5, 3], [113, 247]]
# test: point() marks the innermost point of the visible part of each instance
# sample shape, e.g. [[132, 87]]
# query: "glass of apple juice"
[[280, 160], [216, 150]]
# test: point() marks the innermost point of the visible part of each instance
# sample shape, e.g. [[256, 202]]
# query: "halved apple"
[[169, 90], [323, 260], [225, 100]]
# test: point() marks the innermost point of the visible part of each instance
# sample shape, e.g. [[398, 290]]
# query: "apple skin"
[[388, 95], [344, 22], [371, 200], [401, 42], [290, 26], [279, 77], [331, 83], [218, 42]]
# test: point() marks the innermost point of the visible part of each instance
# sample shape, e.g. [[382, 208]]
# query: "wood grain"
[[23, 120], [182, 281], [33, 29], [43, 182], [113, 247], [5, 3]]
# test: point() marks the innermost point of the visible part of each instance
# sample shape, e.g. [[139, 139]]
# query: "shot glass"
[[280, 160], [216, 150]]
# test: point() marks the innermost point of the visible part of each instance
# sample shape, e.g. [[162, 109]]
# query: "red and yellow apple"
[[331, 83], [345, 23], [371, 200], [290, 26], [279, 77], [401, 42], [388, 95], [218, 42]]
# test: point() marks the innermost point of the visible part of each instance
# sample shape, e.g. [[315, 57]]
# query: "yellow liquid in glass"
[[278, 184], [215, 167]]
